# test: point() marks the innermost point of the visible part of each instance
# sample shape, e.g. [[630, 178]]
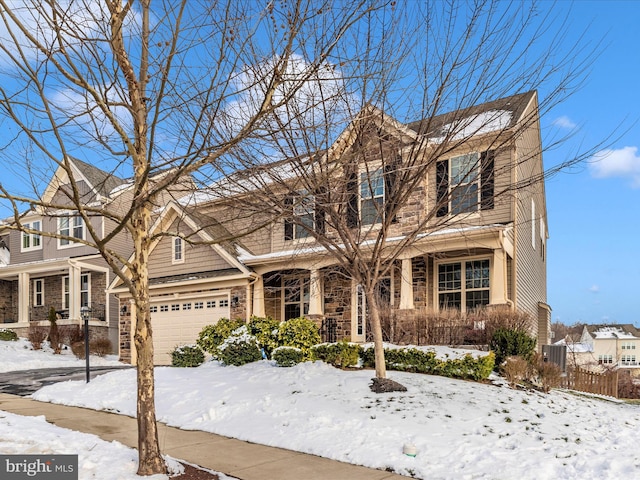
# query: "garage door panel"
[[179, 322]]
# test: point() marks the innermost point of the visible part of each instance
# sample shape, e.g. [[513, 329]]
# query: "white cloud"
[[594, 289], [624, 162], [564, 122]]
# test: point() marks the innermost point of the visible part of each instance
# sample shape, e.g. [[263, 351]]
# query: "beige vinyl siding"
[[51, 250], [121, 242], [15, 246], [197, 258], [530, 270], [87, 195]]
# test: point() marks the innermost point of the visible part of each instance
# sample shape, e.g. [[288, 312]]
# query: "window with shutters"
[[465, 184], [306, 215]]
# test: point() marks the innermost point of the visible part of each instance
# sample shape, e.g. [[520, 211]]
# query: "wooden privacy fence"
[[592, 382]]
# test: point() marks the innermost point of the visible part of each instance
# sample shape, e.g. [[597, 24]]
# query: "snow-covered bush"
[[8, 335], [187, 356], [212, 336], [287, 356], [239, 348]]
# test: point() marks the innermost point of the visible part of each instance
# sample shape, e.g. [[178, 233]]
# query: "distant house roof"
[[613, 331]]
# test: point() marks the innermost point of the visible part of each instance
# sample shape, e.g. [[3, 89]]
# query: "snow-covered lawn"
[[462, 430], [19, 355]]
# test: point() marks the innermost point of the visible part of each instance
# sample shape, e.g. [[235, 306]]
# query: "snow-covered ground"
[[462, 430], [19, 355]]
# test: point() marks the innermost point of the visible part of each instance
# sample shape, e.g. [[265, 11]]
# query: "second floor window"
[[70, 226], [465, 183], [32, 241], [371, 197], [304, 219], [177, 250]]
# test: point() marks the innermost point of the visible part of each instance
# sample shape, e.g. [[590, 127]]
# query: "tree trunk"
[[150, 459], [376, 328]]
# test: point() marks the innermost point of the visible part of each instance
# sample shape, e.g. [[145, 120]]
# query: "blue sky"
[[594, 209]]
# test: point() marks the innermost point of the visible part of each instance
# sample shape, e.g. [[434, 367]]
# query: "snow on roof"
[[484, 122], [244, 256], [612, 332]]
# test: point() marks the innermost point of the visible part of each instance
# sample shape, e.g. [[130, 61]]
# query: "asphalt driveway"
[[25, 382]]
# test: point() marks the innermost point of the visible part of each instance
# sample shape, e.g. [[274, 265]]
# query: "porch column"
[[258, 298], [406, 285], [498, 279], [74, 292], [315, 293], [23, 297]]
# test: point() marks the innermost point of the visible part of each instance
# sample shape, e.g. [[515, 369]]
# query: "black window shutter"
[[352, 200], [288, 224], [442, 188], [390, 171], [487, 163], [319, 214]]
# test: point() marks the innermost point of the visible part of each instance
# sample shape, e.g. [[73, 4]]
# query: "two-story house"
[[611, 346], [38, 272], [491, 253]]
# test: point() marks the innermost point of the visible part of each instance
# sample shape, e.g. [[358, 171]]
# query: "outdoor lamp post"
[[84, 313]]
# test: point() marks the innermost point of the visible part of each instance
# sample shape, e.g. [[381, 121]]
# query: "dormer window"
[[31, 241], [177, 250], [70, 226]]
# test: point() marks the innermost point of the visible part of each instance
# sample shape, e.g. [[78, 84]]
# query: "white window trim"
[[66, 302], [475, 173], [37, 281], [71, 243], [368, 175], [88, 275], [533, 223], [300, 211], [462, 261], [175, 261], [31, 237]]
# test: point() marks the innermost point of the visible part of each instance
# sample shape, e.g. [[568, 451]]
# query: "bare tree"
[[425, 93], [156, 92]]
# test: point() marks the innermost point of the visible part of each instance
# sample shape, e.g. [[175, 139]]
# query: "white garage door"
[[178, 322]]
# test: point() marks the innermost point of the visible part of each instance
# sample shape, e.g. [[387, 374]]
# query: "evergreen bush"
[[239, 348], [301, 333], [265, 329], [8, 335], [187, 356], [212, 336], [341, 355], [287, 356], [506, 342]]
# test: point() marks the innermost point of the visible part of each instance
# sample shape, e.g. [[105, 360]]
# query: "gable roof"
[[101, 181], [620, 331], [515, 105]]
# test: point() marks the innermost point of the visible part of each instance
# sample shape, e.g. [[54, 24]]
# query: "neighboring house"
[[492, 253], [612, 346], [38, 272]]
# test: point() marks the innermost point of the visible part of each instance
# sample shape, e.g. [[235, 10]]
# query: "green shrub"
[[287, 356], [212, 336], [506, 342], [341, 355], [239, 348], [300, 333], [420, 361], [265, 329], [187, 356], [8, 335]]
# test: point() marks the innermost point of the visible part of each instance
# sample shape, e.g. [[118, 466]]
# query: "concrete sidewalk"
[[244, 460]]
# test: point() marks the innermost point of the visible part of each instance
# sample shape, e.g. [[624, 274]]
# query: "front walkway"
[[243, 460]]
